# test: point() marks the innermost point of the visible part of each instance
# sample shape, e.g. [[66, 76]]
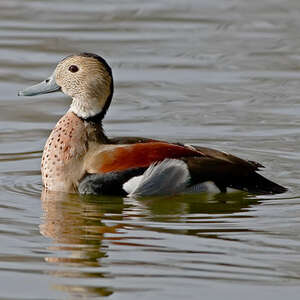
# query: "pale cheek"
[[68, 90], [65, 91]]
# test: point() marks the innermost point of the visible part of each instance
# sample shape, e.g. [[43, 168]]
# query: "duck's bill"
[[45, 87]]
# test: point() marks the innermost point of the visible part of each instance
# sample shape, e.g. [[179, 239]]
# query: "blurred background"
[[219, 73]]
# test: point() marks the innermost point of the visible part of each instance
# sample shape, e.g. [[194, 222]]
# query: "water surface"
[[219, 73]]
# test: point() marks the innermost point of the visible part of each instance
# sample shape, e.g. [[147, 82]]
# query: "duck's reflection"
[[206, 204], [77, 227]]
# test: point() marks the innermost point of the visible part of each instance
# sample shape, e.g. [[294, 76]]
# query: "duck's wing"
[[113, 158], [206, 152], [204, 164], [116, 164]]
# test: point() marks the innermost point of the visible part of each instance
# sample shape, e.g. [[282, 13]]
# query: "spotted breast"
[[62, 161]]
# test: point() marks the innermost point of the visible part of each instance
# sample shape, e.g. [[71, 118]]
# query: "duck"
[[79, 157]]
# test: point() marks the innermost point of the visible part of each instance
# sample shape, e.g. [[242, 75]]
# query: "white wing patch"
[[170, 176]]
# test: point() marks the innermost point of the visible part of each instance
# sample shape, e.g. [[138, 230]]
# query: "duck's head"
[[85, 77]]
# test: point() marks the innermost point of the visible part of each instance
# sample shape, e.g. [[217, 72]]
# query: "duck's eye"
[[73, 68]]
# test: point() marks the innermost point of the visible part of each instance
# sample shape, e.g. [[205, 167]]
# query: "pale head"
[[86, 78]]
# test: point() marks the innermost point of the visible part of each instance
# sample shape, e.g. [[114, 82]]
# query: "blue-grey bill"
[[47, 86]]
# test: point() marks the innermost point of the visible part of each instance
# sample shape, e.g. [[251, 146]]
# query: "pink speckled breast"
[[62, 165]]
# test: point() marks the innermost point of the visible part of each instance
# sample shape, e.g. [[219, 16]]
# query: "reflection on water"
[[219, 73], [69, 221], [76, 230], [84, 229]]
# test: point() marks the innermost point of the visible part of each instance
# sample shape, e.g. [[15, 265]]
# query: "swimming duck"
[[79, 157]]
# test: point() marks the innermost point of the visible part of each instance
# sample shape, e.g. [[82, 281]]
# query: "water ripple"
[[219, 73]]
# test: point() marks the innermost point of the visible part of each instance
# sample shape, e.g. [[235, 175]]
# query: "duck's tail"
[[255, 183]]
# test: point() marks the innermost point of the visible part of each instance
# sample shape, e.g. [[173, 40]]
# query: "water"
[[224, 74]]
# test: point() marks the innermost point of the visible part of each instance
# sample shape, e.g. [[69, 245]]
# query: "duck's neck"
[[95, 131], [92, 108], [93, 126], [95, 119]]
